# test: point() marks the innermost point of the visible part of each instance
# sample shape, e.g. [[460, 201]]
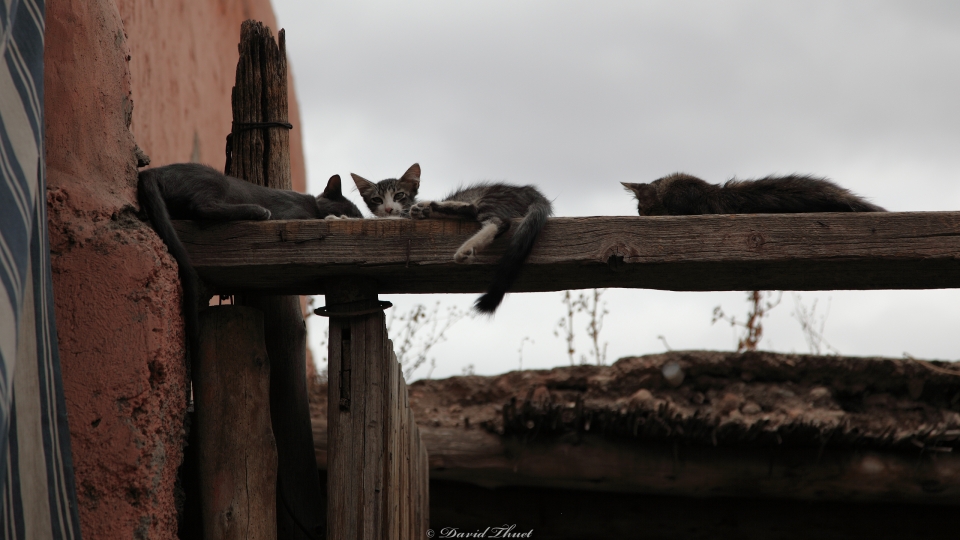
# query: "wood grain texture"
[[917, 250], [374, 492], [236, 450], [262, 156]]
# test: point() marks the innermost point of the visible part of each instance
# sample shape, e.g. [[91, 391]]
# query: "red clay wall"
[[116, 288], [184, 57]]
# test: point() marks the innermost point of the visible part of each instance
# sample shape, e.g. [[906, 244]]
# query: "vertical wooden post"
[[375, 480], [259, 152], [236, 451]]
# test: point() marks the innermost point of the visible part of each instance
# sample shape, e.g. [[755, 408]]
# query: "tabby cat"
[[493, 205], [390, 198]]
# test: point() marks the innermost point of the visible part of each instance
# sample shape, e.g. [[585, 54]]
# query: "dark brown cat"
[[681, 194], [198, 192]]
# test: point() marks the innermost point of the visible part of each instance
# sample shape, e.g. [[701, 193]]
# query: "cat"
[[681, 194], [198, 192], [493, 205], [393, 197]]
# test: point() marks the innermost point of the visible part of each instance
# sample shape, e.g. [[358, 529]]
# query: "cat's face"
[[393, 197], [332, 202]]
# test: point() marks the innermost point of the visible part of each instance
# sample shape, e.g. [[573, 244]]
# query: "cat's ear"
[[646, 194], [364, 186], [411, 178], [636, 189], [332, 191], [413, 173]]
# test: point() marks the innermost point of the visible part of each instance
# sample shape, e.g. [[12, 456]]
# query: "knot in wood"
[[755, 240], [614, 255], [615, 262]]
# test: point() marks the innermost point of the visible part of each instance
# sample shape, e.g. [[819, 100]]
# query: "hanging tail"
[[509, 266], [151, 201]]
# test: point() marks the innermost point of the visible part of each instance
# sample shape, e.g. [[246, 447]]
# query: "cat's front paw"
[[265, 215], [421, 210], [465, 255]]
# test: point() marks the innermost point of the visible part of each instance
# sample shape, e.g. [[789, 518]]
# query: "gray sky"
[[576, 97]]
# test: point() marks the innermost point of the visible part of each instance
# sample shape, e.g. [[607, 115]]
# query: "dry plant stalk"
[[596, 311], [812, 326], [417, 331], [753, 327], [520, 349]]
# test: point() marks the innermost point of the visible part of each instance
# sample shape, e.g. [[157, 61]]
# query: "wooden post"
[[258, 151], [370, 486], [236, 450]]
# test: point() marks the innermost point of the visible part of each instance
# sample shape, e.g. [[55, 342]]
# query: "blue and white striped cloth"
[[36, 474]]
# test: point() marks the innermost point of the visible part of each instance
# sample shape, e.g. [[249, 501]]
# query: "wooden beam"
[[916, 250], [593, 463]]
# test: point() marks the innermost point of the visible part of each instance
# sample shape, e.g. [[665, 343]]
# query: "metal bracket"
[[352, 309]]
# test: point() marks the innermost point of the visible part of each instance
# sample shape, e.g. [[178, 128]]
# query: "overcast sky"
[[576, 97]]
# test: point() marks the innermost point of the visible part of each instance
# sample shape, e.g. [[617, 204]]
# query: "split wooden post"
[[258, 151], [376, 482], [237, 458]]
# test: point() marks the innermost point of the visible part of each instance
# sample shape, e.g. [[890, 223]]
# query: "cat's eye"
[[377, 200], [399, 196]]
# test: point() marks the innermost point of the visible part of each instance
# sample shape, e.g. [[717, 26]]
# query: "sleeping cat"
[[681, 194], [198, 192], [390, 198], [493, 205]]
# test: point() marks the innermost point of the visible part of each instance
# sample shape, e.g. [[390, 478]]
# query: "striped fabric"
[[38, 499]]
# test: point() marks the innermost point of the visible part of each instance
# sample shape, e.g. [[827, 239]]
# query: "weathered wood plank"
[[917, 250], [262, 156], [369, 489], [395, 496], [593, 463], [346, 418], [236, 449]]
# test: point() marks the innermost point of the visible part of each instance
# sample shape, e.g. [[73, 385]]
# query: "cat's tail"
[[151, 201], [513, 258]]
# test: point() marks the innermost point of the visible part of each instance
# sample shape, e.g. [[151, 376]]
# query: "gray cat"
[[197, 192], [493, 205], [681, 194], [390, 198]]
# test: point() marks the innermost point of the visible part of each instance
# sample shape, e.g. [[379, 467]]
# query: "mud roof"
[[756, 424], [754, 398]]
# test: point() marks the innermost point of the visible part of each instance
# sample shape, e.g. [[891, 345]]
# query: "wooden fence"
[[258, 471], [377, 472], [377, 462], [369, 473]]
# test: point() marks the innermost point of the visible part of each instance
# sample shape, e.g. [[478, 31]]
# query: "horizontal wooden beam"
[[916, 250], [591, 462]]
